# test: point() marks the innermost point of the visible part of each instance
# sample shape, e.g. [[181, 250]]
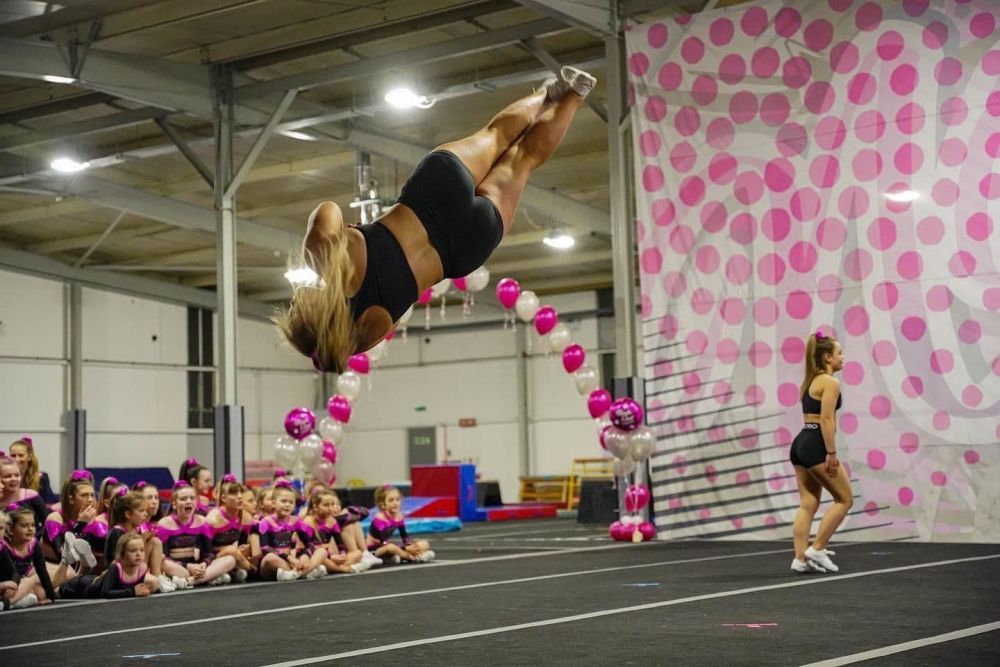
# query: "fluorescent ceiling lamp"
[[902, 195], [302, 277], [301, 136], [68, 165], [559, 239], [404, 98], [58, 79]]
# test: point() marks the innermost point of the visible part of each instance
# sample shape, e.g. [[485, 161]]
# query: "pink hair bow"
[[283, 484], [191, 462], [122, 491], [229, 478], [139, 486], [280, 472], [181, 484], [819, 335], [81, 476], [27, 440], [112, 480]]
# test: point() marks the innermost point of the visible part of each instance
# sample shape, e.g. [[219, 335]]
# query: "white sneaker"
[[394, 559], [805, 567], [181, 583], [371, 558], [317, 572], [221, 580], [240, 575], [166, 586], [359, 567], [579, 82], [82, 549], [425, 557], [68, 555], [29, 600], [287, 575], [821, 558], [554, 89]]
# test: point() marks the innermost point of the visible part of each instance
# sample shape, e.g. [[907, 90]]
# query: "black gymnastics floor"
[[555, 593]]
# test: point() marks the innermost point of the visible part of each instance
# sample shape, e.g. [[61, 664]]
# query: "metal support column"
[[75, 452], [524, 402], [228, 437]]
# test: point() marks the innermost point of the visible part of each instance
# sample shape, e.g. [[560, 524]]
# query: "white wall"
[[135, 391]]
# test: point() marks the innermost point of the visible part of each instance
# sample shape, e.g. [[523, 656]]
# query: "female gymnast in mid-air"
[[450, 216]]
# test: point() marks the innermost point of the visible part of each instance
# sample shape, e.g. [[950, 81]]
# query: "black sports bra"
[[389, 280], [810, 406]]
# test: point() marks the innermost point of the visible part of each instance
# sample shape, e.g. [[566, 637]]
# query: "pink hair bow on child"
[[229, 478], [139, 486], [283, 484], [181, 484], [81, 476], [191, 462], [280, 472], [26, 439], [122, 491], [112, 480], [387, 486], [819, 335]]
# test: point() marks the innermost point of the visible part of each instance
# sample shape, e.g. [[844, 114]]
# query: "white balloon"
[[622, 467], [601, 422], [478, 279], [527, 305], [633, 519], [559, 338], [378, 351], [440, 288], [348, 384], [285, 452], [586, 380], [310, 449], [640, 443], [331, 429], [322, 470], [616, 441], [405, 317]]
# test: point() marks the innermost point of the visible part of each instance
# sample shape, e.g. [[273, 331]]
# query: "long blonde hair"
[[817, 347], [32, 478], [319, 323]]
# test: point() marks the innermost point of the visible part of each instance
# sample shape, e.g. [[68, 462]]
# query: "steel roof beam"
[[594, 16]]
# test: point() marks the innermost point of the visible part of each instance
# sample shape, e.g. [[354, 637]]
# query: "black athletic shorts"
[[463, 227], [808, 449]]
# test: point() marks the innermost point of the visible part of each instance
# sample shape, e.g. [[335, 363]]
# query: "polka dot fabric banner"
[[832, 166]]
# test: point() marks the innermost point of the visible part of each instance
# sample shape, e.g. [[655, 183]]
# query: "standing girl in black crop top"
[[814, 455], [451, 214]]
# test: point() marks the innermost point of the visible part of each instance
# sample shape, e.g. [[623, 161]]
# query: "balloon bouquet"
[[468, 286], [619, 422]]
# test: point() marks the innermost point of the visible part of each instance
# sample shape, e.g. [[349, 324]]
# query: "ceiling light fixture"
[[68, 165], [559, 240], [302, 277], [301, 136], [404, 98], [51, 78], [902, 195]]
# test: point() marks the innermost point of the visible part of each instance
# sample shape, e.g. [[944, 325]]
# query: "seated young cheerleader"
[[349, 519], [265, 503], [189, 560], [10, 578], [14, 492], [130, 514], [389, 519], [200, 479], [151, 494], [284, 557], [230, 526], [64, 528], [320, 530], [126, 576], [96, 532], [36, 587]]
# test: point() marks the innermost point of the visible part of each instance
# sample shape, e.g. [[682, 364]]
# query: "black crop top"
[[388, 281], [810, 406]]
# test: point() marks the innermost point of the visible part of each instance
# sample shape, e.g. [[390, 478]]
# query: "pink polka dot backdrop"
[[831, 166]]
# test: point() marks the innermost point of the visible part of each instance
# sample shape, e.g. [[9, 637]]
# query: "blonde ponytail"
[[319, 322]]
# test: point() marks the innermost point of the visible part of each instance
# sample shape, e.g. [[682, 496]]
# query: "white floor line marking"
[[906, 646], [447, 589], [620, 610]]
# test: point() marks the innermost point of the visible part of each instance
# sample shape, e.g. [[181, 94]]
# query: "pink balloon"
[[603, 434], [460, 284], [615, 530], [339, 408], [598, 402], [545, 320], [425, 298], [648, 531], [626, 414], [636, 497], [299, 422], [508, 290], [573, 358], [360, 363], [329, 451]]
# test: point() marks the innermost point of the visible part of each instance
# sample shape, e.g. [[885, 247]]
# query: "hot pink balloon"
[[425, 298], [329, 451], [508, 290], [545, 320], [626, 414], [648, 531], [460, 284], [339, 408], [360, 363], [615, 531], [573, 358], [636, 497], [598, 402], [603, 434], [299, 422]]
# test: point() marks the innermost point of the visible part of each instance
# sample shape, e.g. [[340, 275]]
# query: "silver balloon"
[[526, 305], [622, 467], [478, 279], [322, 470], [349, 384], [559, 338], [640, 443], [442, 287], [616, 441], [310, 449], [285, 452], [586, 379], [331, 429]]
